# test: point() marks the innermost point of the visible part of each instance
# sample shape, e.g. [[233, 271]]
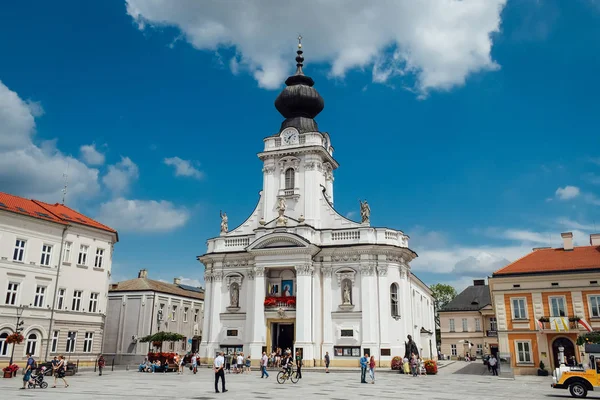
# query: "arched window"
[[289, 178], [394, 300], [32, 344], [3, 344]]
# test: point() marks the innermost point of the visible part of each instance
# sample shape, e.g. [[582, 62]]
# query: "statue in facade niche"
[[281, 205], [224, 222], [347, 296], [365, 211], [411, 348], [234, 296]]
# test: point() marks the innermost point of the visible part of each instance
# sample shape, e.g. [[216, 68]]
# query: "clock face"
[[290, 136]]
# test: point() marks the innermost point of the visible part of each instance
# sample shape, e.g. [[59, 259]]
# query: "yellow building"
[[468, 324], [539, 300]]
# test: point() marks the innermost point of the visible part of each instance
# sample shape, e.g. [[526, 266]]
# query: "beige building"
[[468, 323], [544, 300]]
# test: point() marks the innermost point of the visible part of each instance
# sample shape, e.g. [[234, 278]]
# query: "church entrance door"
[[283, 335]]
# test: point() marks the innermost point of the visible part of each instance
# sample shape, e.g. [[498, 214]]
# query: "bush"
[[397, 363], [431, 367], [542, 366]]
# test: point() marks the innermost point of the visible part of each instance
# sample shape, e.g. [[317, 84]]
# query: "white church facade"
[[297, 274]]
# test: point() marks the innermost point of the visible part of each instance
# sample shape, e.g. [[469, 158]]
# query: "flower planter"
[[8, 374]]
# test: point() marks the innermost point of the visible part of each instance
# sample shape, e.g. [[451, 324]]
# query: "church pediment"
[[279, 240]]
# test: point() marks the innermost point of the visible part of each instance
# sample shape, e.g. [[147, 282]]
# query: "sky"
[[472, 126]]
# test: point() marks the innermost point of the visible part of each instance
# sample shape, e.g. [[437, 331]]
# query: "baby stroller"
[[38, 379]]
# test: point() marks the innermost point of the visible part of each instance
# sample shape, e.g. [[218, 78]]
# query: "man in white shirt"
[[240, 362], [264, 361], [219, 372], [493, 362]]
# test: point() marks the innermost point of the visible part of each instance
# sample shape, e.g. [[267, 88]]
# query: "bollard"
[[112, 367], [77, 367], [95, 365]]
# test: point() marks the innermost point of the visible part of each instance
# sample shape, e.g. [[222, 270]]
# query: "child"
[[405, 366]]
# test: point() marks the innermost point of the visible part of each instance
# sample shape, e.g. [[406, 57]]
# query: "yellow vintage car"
[[580, 380]]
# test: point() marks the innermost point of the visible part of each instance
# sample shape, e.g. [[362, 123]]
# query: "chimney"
[[479, 282], [143, 274], [595, 239], [113, 286], [567, 241], [177, 281]]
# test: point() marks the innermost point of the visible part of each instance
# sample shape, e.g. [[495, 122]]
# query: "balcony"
[[280, 302], [491, 333], [558, 324]]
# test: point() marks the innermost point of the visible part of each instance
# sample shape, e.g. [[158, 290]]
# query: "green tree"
[[442, 295]]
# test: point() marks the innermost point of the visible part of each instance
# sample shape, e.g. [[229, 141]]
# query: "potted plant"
[[574, 319], [542, 371], [15, 338], [397, 363], [10, 371], [431, 367], [544, 319]]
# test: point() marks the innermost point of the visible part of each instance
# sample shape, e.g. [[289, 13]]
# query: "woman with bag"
[[101, 364], [60, 371]]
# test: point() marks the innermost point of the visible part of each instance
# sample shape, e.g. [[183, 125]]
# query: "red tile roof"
[[57, 213], [545, 261]]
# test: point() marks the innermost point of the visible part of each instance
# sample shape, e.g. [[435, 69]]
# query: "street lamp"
[[18, 329]]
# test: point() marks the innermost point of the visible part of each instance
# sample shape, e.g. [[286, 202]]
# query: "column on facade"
[[369, 295], [259, 329], [327, 309], [304, 320], [250, 313], [385, 311], [207, 313], [317, 310], [268, 197], [215, 312], [406, 300]]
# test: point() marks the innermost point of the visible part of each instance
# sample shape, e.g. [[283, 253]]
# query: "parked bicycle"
[[285, 375]]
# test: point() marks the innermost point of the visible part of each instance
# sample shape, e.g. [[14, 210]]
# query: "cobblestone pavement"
[[314, 385]]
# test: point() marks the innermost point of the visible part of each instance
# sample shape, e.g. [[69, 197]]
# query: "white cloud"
[[184, 167], [567, 193], [90, 155], [142, 215], [120, 175], [36, 170], [438, 42]]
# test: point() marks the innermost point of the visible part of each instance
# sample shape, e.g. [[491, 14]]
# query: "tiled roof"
[[473, 298], [58, 213], [545, 261], [145, 284]]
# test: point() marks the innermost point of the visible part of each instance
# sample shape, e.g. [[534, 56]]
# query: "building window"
[[479, 349], [99, 256], [54, 347], [174, 314], [93, 302], [347, 333], [185, 313], [394, 300], [76, 305], [32, 344], [38, 300], [518, 309], [465, 325], [493, 324], [67, 252], [346, 351], [3, 344], [386, 352], [289, 178], [557, 307], [11, 293], [196, 313], [595, 306], [71, 342], [477, 325], [523, 352], [82, 259], [60, 300], [46, 255], [452, 327], [453, 349], [88, 342], [19, 253]]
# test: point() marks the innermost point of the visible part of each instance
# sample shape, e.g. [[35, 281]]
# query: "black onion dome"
[[299, 102]]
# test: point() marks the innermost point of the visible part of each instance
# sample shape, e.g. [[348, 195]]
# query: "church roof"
[[145, 284], [473, 298]]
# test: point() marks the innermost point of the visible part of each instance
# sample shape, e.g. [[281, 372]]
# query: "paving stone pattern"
[[316, 385]]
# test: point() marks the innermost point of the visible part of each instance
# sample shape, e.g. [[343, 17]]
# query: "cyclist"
[[288, 362]]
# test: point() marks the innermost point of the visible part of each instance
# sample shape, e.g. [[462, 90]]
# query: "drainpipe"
[[60, 256]]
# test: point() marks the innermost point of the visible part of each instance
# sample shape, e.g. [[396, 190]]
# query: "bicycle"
[[283, 376]]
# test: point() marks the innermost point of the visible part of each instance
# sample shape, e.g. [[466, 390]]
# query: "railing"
[[285, 302], [555, 324], [345, 235], [491, 333], [235, 242], [391, 235]]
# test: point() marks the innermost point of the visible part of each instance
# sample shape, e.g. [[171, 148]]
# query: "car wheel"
[[578, 390]]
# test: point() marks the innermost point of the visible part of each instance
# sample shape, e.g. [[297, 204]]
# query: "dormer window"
[[289, 178]]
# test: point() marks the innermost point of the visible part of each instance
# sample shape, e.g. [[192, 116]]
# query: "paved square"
[[314, 385]]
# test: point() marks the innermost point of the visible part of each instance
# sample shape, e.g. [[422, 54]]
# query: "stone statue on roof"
[[224, 222]]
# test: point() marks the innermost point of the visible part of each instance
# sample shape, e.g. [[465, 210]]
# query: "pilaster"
[[259, 330], [216, 306], [368, 290], [304, 295], [384, 305]]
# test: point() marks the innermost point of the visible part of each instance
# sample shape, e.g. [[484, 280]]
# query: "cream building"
[[55, 267], [468, 323], [142, 306], [297, 274]]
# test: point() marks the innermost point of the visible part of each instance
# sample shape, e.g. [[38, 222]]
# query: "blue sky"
[[471, 126]]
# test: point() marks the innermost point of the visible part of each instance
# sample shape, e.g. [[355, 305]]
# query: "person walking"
[[327, 362], [101, 364], [194, 363], [264, 361], [181, 364], [234, 359], [372, 369], [219, 373], [60, 371], [28, 370], [299, 364], [228, 362], [493, 363], [248, 364], [364, 361], [240, 363]]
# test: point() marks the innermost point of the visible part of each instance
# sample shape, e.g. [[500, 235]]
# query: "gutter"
[[60, 256]]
